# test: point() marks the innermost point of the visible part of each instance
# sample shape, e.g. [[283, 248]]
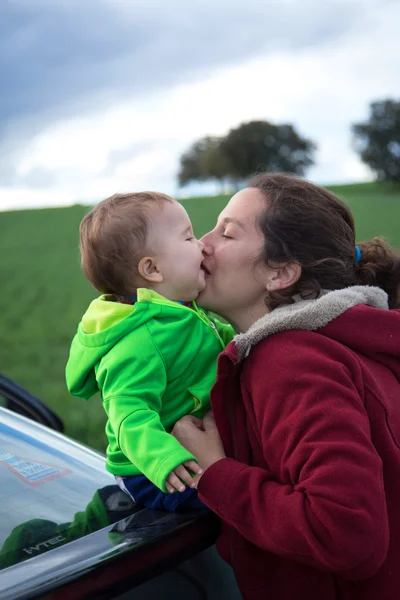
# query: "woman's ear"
[[149, 270], [283, 277]]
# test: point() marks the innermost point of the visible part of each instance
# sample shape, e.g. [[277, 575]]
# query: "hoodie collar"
[[309, 315]]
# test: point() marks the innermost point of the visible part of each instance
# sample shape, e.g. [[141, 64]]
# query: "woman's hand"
[[201, 438]]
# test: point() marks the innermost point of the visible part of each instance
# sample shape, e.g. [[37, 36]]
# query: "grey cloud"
[[67, 56], [70, 57], [116, 157], [41, 178]]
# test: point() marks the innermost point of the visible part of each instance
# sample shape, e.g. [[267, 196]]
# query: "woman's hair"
[[307, 224], [113, 239]]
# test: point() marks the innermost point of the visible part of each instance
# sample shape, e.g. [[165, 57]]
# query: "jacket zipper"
[[200, 315]]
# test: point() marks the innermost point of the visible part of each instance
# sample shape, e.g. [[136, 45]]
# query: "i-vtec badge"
[[45, 545]]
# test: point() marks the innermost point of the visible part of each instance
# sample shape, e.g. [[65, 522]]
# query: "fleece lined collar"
[[309, 315]]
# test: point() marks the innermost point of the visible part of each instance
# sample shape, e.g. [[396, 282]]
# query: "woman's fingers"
[[209, 421], [205, 444], [187, 424], [196, 421]]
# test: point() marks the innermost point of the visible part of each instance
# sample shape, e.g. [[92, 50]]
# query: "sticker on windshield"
[[31, 472]]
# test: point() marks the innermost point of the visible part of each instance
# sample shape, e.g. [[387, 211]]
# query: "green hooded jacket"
[[154, 362]]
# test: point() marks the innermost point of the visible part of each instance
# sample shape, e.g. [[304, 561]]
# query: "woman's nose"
[[205, 241], [201, 245]]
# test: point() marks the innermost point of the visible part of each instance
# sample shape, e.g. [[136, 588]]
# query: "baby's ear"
[[149, 270]]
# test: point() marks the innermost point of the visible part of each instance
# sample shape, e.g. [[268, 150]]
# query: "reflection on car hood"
[[52, 490], [62, 514]]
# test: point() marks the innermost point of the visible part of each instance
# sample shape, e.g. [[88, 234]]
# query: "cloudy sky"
[[100, 96]]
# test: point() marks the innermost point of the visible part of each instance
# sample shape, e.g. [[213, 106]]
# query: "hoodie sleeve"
[[321, 501], [133, 384], [79, 372]]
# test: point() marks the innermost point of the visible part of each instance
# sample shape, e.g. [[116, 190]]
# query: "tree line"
[[262, 146]]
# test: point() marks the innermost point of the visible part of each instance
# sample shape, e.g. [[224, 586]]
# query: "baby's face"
[[178, 253]]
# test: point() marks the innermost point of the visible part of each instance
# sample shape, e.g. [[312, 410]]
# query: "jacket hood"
[[366, 325], [102, 326]]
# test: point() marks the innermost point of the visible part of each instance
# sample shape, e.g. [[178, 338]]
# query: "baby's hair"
[[113, 239], [308, 224]]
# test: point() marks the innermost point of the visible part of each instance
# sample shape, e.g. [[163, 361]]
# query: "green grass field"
[[44, 293]]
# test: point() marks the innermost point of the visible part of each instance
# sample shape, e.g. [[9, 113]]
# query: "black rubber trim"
[[24, 403]]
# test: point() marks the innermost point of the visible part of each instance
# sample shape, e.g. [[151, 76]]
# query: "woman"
[[304, 468]]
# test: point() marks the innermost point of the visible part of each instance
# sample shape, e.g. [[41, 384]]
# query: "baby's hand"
[[179, 474]]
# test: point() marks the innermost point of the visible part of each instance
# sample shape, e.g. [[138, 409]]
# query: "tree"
[[262, 146], [204, 161], [378, 139]]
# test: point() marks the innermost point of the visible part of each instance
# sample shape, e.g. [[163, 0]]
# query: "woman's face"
[[235, 278]]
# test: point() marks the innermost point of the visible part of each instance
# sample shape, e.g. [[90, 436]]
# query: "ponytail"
[[379, 266]]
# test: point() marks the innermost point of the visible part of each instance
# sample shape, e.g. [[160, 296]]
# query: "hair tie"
[[358, 254]]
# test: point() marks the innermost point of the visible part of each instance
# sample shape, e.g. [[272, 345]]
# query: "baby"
[[144, 343]]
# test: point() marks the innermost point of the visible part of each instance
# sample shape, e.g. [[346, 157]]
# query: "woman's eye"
[[227, 237]]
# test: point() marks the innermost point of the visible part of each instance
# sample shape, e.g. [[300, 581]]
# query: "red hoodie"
[[307, 404]]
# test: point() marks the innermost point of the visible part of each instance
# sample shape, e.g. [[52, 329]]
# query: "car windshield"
[[52, 490]]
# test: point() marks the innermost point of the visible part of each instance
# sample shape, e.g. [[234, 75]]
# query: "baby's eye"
[[189, 239]]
